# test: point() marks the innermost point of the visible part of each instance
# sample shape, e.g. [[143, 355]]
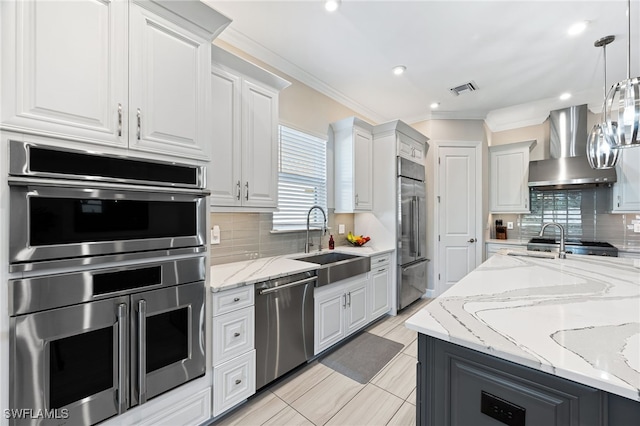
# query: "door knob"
[[472, 240]]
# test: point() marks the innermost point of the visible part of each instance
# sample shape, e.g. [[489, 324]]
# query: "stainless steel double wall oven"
[[107, 291]]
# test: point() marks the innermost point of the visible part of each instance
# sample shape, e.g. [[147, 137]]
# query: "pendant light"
[[622, 104], [600, 153]]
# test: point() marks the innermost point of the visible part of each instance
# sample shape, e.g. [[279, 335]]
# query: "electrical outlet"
[[509, 225], [215, 235], [341, 228], [636, 227]]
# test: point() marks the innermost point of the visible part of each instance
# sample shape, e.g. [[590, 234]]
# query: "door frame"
[[437, 289]]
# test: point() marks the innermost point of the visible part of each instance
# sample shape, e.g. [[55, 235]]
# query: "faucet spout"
[[562, 253], [324, 228]]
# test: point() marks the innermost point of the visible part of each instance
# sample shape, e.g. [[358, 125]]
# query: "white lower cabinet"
[[193, 410], [233, 382], [340, 309], [379, 286], [234, 355]]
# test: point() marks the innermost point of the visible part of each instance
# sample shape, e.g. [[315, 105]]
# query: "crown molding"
[[258, 51]]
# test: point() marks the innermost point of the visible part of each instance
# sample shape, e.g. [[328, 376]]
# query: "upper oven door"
[[167, 339], [52, 223], [73, 360]]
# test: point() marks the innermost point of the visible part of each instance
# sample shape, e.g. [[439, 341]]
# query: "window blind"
[[302, 179]]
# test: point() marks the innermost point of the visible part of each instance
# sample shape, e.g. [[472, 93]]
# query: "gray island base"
[[463, 387]]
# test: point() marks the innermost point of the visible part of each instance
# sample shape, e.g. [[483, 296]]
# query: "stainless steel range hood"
[[568, 165]]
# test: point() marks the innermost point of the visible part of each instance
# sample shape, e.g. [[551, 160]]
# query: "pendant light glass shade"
[[622, 112], [622, 104], [599, 151]]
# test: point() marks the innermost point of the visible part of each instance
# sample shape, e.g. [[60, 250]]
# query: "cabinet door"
[[410, 149], [224, 171], [168, 89], [259, 146], [356, 310], [379, 292], [363, 175], [626, 191], [329, 318], [64, 72], [509, 191]]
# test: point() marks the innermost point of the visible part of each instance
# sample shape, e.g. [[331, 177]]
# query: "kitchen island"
[[529, 340]]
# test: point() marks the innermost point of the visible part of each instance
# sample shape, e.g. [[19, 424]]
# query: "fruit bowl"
[[357, 241]]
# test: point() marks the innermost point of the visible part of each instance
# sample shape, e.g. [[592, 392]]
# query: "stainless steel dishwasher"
[[284, 325]]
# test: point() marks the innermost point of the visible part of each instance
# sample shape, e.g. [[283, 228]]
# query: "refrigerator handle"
[[416, 225], [412, 233]]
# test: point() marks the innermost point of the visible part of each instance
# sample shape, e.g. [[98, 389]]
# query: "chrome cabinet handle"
[[238, 381], [344, 300], [139, 117], [123, 379], [239, 185], [472, 240], [236, 334], [382, 270], [142, 351], [357, 201], [349, 294], [247, 194], [119, 119], [236, 299]]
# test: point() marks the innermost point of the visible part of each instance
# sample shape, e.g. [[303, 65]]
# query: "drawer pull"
[[236, 334], [381, 270], [236, 299], [238, 381]]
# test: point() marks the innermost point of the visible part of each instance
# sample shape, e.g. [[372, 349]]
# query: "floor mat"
[[361, 358]]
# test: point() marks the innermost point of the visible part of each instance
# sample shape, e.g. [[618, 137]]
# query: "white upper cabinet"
[[243, 171], [410, 149], [128, 74], [508, 178], [626, 191], [353, 159]]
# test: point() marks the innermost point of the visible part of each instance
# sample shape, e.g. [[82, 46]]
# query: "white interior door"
[[457, 215]]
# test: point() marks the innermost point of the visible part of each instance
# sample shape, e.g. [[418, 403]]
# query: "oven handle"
[[123, 379], [142, 351], [283, 287]]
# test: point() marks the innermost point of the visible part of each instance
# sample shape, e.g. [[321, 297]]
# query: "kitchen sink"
[[335, 267]]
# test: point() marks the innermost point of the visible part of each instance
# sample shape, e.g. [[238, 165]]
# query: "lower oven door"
[[167, 339], [72, 361]]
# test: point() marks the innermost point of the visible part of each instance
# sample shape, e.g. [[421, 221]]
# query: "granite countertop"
[[577, 318], [237, 274]]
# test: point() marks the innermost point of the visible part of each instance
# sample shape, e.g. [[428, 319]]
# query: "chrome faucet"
[[324, 229], [562, 254]]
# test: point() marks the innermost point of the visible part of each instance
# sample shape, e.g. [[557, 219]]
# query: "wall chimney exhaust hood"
[[568, 165]]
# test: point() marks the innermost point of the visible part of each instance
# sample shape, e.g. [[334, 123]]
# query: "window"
[[302, 180]]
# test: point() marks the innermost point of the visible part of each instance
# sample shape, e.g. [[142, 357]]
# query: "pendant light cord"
[[628, 39]]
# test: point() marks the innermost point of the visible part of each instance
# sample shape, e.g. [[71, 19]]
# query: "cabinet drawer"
[[380, 260], [193, 410], [230, 300], [233, 382], [233, 334]]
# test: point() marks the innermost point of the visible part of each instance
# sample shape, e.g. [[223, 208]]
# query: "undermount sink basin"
[[335, 267]]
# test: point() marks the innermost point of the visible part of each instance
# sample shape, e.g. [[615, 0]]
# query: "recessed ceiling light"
[[332, 5], [435, 105], [577, 28], [565, 96], [400, 69]]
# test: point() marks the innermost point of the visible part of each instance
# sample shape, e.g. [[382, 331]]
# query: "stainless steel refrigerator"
[[412, 232]]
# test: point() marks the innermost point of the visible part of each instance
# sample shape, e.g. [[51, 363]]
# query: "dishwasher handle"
[[289, 285]]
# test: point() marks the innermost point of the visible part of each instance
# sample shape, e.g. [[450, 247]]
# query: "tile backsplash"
[[584, 213], [245, 236]]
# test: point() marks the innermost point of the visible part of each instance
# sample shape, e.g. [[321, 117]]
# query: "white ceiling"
[[518, 53]]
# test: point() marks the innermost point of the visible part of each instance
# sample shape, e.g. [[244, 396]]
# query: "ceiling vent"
[[464, 88]]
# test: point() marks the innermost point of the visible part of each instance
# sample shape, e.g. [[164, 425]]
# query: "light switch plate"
[[636, 227], [509, 225], [341, 228]]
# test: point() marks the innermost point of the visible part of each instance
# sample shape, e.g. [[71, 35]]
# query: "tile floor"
[[317, 395]]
